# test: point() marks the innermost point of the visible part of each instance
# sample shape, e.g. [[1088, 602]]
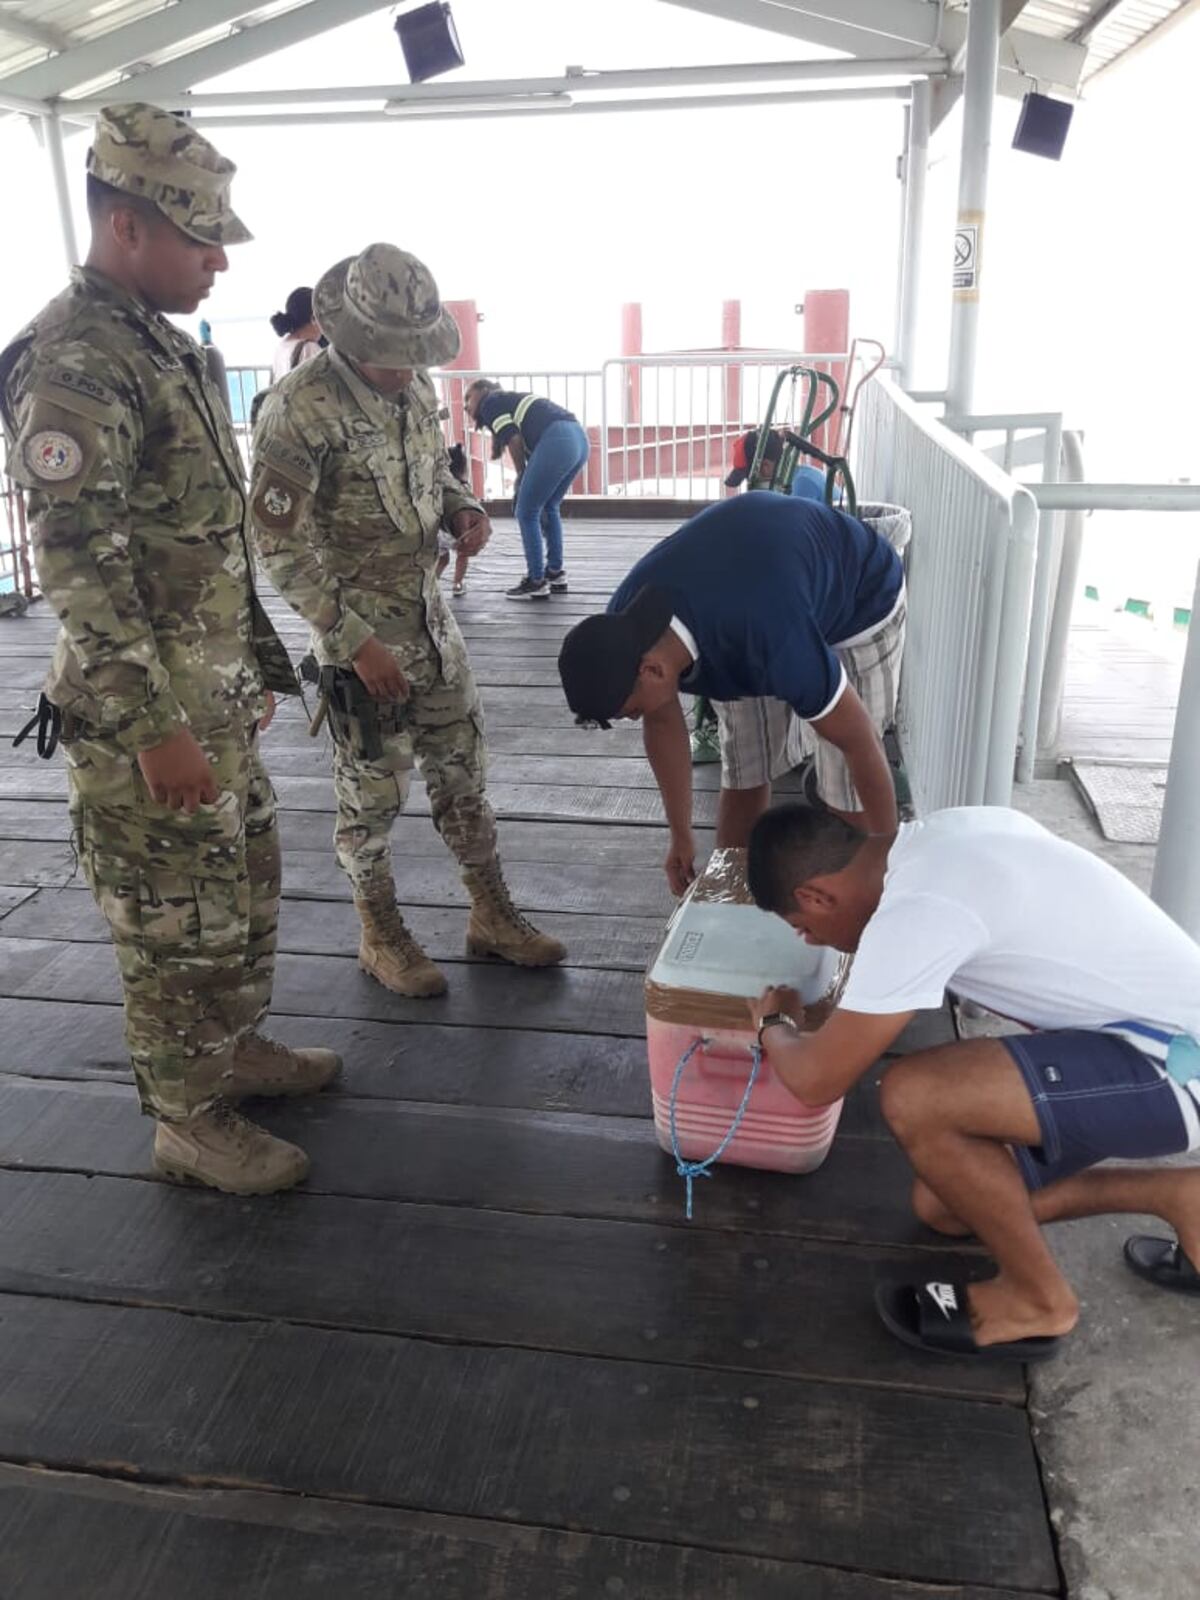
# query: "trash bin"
[[894, 523]]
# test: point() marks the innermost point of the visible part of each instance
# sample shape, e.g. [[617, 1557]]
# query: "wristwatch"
[[771, 1019]]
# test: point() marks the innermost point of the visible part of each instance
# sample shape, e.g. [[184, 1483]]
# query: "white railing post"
[[1016, 627], [1176, 882], [1043, 597], [604, 427], [1054, 673]]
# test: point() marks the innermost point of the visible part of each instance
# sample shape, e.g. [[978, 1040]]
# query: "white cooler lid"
[[730, 949]]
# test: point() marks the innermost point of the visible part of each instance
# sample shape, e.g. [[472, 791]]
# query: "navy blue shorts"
[[1096, 1096]]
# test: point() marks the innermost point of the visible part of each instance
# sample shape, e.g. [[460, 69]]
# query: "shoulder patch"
[[277, 502], [53, 455], [286, 460], [55, 452], [77, 392]]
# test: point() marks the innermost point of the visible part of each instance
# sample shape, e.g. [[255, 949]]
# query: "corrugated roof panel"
[[82, 21]]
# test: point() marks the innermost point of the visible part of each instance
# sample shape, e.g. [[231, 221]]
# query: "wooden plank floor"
[[1122, 689], [481, 1352]]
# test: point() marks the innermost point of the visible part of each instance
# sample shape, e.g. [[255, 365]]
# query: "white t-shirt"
[[288, 356], [982, 900]]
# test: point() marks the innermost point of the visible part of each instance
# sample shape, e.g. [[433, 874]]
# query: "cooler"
[[719, 951]]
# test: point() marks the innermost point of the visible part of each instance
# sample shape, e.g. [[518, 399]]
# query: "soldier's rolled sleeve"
[[284, 480], [81, 540], [455, 497]]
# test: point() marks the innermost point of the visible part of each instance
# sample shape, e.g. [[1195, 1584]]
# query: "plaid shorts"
[[763, 739]]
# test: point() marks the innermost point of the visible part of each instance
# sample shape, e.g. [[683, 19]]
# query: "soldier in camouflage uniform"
[[165, 663], [351, 482]]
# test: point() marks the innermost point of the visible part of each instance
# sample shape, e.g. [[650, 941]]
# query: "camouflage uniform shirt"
[[137, 501], [348, 492]]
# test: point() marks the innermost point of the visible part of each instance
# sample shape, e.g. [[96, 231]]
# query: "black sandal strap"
[[942, 1317]]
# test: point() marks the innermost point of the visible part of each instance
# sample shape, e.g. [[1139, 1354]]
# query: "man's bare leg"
[[954, 1110], [1172, 1193], [737, 812]]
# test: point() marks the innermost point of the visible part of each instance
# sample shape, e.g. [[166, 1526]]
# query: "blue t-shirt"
[[767, 585], [807, 483], [508, 413]]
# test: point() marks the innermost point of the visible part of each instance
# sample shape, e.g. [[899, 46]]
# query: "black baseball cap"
[[599, 659], [743, 455]]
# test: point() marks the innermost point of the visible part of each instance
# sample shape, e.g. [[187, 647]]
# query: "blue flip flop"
[[933, 1317]]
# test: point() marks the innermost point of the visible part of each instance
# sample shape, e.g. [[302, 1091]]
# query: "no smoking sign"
[[966, 256]]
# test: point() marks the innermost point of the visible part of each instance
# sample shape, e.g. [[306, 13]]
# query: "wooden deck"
[[1122, 689], [481, 1353]]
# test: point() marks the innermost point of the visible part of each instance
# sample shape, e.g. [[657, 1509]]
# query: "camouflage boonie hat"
[[383, 307], [145, 151]]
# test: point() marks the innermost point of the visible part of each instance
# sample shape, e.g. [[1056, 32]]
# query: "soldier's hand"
[[379, 671], [178, 774], [471, 529], [264, 722]]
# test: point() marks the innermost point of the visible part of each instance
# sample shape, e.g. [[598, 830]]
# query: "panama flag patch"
[[53, 456]]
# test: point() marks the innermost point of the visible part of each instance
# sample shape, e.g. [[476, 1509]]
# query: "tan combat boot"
[[221, 1148], [497, 928], [390, 953], [266, 1068]]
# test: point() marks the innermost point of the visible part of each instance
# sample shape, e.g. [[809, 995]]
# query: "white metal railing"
[[579, 390], [17, 574], [1029, 439], [1176, 881], [244, 384], [670, 422], [970, 587], [662, 426]]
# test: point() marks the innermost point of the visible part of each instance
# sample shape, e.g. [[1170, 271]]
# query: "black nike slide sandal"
[[1161, 1262], [933, 1317]]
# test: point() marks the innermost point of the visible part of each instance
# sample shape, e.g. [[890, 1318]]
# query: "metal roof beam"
[[19, 103], [911, 22], [871, 28], [440, 111], [747, 74], [795, 24], [1030, 55], [1098, 14], [166, 83], [31, 32], [119, 48]]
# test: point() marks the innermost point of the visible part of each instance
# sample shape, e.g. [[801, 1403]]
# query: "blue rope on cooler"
[[690, 1170]]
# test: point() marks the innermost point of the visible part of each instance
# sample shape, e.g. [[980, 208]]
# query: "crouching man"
[[1002, 1134]]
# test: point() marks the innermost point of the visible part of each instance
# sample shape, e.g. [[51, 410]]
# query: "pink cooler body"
[[718, 951]]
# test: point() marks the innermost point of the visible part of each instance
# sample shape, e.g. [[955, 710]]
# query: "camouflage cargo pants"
[[192, 904], [439, 728]]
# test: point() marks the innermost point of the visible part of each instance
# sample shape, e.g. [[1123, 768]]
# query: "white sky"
[[1089, 264]]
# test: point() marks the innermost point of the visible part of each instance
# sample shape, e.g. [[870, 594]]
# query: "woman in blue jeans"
[[548, 449]]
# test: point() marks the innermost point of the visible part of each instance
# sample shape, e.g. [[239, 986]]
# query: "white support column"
[[52, 130], [979, 94], [916, 162], [1176, 883]]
